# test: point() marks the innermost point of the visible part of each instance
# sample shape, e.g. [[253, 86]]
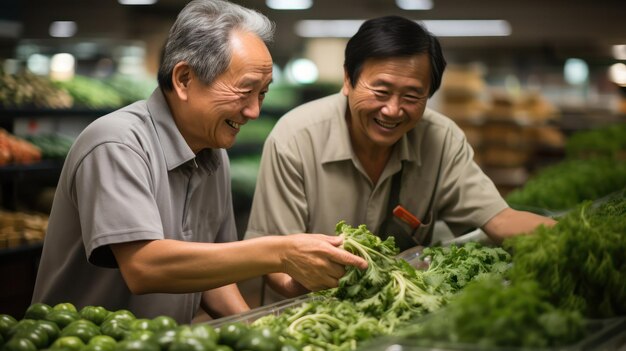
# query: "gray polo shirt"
[[310, 178], [131, 176]]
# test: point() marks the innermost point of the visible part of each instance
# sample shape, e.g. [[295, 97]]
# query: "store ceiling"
[[551, 28]]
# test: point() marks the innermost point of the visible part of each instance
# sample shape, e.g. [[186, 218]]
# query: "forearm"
[[223, 301], [170, 266], [285, 285], [511, 222]]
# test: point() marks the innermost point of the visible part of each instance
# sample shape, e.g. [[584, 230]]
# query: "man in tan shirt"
[[337, 158]]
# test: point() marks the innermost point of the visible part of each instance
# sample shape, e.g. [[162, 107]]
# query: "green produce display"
[[606, 141], [451, 268], [580, 261], [94, 328], [380, 300], [566, 184], [52, 146], [91, 93], [256, 131], [243, 173], [490, 313], [536, 296], [27, 90], [131, 88]]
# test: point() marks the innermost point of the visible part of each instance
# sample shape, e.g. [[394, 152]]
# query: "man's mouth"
[[233, 124], [387, 125]]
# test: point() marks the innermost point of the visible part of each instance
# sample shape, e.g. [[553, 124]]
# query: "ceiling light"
[[137, 2], [617, 74], [619, 52], [62, 66], [302, 71], [468, 28], [327, 28], [289, 4], [63, 29], [415, 4], [576, 71], [441, 28]]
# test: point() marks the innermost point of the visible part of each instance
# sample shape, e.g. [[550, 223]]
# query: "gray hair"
[[201, 37]]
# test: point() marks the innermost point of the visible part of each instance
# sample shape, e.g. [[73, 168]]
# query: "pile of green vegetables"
[[52, 146], [451, 268], [580, 261], [93, 328], [384, 297], [491, 313], [91, 93], [607, 141], [566, 184], [558, 276]]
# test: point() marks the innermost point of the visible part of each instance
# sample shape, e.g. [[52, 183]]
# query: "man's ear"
[[345, 89], [181, 78]]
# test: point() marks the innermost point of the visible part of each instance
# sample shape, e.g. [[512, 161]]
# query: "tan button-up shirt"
[[310, 177]]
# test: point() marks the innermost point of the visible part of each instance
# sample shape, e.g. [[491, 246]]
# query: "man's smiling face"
[[217, 111], [388, 99]]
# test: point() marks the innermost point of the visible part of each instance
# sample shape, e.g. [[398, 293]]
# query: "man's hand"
[[316, 261]]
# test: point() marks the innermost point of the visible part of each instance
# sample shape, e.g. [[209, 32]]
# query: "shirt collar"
[[175, 149], [340, 149]]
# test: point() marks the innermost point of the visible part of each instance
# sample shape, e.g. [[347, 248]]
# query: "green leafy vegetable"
[[580, 261], [490, 313]]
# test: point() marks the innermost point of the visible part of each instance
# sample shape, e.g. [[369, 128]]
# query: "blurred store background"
[[524, 77]]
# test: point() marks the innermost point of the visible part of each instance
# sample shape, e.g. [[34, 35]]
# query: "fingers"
[[345, 258], [339, 255], [334, 240], [317, 262]]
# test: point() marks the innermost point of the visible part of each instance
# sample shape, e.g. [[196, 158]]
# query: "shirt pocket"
[[424, 233]]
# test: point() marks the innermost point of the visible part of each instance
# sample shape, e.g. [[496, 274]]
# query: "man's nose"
[[392, 108], [252, 110]]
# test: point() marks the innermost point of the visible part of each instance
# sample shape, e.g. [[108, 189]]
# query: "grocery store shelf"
[[39, 112], [24, 249], [45, 167]]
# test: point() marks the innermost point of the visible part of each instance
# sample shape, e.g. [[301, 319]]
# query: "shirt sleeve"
[[279, 205], [113, 190], [467, 196]]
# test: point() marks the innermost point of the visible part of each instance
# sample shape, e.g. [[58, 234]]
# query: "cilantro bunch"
[[389, 288]]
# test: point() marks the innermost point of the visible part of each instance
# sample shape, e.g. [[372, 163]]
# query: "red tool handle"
[[406, 216]]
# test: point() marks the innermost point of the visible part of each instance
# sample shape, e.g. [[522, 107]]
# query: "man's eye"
[[381, 92], [414, 98]]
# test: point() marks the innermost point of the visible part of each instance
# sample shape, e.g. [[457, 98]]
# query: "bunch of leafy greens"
[[566, 184], [580, 261], [452, 267], [390, 288], [491, 313]]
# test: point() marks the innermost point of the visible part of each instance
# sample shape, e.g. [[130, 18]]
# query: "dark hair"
[[393, 36]]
